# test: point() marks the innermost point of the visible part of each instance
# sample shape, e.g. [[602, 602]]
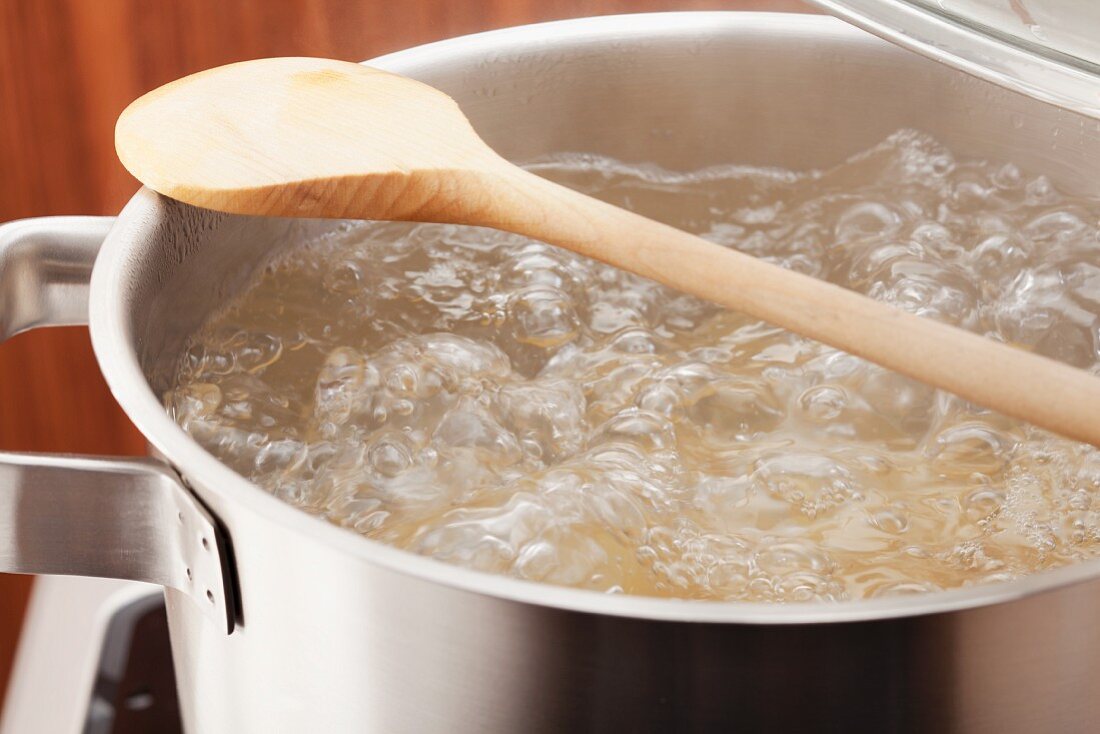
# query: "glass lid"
[[1048, 49]]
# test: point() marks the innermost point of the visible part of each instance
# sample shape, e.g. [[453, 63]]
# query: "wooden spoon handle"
[[1014, 382]]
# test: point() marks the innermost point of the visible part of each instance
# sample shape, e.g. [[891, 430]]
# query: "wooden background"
[[68, 67]]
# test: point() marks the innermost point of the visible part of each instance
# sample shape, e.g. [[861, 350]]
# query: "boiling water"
[[500, 404]]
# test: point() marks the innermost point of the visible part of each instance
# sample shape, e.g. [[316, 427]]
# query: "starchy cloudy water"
[[507, 406]]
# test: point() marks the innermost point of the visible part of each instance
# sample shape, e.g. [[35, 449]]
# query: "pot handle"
[[74, 515]]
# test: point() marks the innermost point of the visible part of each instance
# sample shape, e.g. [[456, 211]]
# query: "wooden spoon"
[[304, 137]]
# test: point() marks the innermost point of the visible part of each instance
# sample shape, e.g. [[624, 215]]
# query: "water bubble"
[[823, 403], [736, 409], [927, 289], [974, 446], [345, 277], [894, 520], [195, 401], [542, 317], [470, 425], [649, 430], [342, 377], [812, 482], [1008, 177], [390, 455], [1040, 191], [549, 414], [1054, 226], [866, 219]]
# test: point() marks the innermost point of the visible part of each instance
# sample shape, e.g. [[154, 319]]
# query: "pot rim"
[[113, 345]]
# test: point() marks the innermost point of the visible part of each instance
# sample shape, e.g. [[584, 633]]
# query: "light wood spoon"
[[304, 137]]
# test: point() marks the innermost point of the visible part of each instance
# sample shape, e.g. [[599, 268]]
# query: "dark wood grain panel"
[[68, 67]]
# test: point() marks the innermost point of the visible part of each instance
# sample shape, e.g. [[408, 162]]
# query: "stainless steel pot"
[[281, 622]]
